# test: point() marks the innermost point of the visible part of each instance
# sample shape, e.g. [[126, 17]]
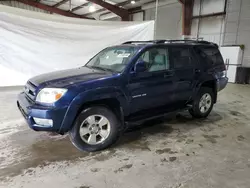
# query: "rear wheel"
[[95, 129], [203, 103]]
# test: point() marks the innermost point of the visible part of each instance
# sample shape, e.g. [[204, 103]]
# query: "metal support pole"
[[70, 5], [156, 15]]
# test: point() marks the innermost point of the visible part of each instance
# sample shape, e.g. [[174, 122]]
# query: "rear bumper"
[[221, 83], [30, 110]]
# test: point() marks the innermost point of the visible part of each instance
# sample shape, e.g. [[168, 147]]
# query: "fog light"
[[43, 122]]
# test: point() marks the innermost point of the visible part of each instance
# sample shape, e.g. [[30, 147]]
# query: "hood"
[[68, 77]]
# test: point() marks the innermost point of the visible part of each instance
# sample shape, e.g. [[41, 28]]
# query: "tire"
[[201, 107], [86, 137]]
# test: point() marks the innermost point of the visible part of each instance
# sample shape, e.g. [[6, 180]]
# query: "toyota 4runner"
[[132, 82]]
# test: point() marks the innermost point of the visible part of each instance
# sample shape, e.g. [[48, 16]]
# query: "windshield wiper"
[[102, 68]]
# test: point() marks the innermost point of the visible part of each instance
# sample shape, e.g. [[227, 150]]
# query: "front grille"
[[30, 91]]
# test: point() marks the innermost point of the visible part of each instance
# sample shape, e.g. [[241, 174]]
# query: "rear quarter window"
[[210, 55]]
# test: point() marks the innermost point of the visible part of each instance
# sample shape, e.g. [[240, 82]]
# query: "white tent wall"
[[32, 43]]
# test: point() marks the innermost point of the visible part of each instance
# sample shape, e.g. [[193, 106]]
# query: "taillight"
[[225, 67], [223, 74]]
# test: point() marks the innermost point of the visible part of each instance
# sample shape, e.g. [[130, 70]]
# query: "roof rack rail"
[[188, 41], [139, 42], [169, 41]]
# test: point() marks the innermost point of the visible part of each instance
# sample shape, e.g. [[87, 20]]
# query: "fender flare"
[[198, 86], [91, 96]]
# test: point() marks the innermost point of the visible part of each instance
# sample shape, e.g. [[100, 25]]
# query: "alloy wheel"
[[95, 129], [205, 103]]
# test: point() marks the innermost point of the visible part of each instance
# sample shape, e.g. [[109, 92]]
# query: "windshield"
[[113, 59]]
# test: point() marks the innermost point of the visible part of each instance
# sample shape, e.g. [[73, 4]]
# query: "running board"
[[146, 117]]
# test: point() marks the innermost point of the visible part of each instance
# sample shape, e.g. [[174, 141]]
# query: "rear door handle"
[[168, 74], [197, 71]]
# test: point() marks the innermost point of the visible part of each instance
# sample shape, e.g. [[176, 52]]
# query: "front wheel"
[[95, 129], [203, 103]]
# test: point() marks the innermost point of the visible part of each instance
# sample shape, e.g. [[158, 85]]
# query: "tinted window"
[[156, 59], [181, 57], [210, 55]]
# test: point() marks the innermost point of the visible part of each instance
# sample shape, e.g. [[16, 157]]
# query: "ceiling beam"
[[60, 3], [134, 10], [131, 11], [51, 9], [97, 11], [123, 13], [79, 7], [103, 9]]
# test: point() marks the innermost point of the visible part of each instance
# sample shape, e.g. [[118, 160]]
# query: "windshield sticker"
[[124, 55]]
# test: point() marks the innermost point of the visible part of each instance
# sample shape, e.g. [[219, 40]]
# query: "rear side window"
[[211, 55], [181, 57]]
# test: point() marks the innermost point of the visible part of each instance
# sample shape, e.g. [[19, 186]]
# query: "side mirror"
[[140, 66]]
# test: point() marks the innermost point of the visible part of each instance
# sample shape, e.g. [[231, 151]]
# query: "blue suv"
[[132, 82]]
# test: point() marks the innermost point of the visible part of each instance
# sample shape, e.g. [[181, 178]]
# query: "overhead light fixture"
[[132, 2], [92, 8]]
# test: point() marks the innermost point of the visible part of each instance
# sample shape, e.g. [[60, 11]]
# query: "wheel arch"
[[209, 84], [112, 104], [115, 101]]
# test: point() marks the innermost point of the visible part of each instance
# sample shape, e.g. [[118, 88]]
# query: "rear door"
[[186, 72]]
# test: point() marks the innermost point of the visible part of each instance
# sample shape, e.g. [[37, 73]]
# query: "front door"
[[153, 87]]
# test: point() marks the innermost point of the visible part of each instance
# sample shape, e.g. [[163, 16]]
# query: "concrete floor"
[[176, 152]]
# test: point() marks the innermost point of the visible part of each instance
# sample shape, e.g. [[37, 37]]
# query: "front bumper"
[[30, 110], [221, 83]]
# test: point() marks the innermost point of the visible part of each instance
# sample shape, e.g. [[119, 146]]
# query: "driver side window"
[[156, 59]]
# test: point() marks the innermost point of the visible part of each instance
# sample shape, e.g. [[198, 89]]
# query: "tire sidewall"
[[97, 110], [196, 108]]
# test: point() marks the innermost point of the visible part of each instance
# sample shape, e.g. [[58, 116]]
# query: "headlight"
[[50, 95]]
